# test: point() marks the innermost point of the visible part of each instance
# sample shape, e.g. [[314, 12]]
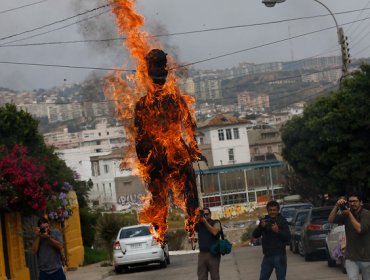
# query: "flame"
[[163, 114]]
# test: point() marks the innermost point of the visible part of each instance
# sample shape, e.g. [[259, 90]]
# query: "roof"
[[115, 154], [221, 120]]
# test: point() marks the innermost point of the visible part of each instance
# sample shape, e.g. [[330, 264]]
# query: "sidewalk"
[[91, 272], [98, 272]]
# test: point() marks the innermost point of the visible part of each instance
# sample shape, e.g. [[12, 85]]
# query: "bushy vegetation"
[[94, 255], [247, 235], [176, 239]]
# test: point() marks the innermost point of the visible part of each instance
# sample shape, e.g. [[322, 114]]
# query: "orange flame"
[[166, 117]]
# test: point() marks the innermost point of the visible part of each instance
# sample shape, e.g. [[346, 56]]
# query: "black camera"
[[42, 230], [343, 206], [268, 222], [201, 214]]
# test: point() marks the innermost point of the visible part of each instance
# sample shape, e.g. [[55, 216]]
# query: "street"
[[242, 263]]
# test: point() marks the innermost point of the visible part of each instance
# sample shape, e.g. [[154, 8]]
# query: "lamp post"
[[342, 40]]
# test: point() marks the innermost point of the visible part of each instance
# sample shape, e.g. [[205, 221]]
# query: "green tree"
[[330, 143], [19, 127]]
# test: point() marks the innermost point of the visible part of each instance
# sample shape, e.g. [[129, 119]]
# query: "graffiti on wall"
[[238, 209], [134, 198]]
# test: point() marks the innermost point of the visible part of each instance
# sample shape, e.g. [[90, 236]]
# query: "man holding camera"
[[48, 245], [275, 234], [357, 225], [208, 235]]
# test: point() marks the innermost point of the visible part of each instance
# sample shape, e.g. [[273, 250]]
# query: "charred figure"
[[159, 119]]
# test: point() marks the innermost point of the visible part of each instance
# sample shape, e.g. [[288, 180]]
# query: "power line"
[[21, 7], [66, 66], [188, 64], [52, 30], [171, 34], [53, 23]]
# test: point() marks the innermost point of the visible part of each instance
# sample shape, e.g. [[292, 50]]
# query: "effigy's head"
[[157, 62]]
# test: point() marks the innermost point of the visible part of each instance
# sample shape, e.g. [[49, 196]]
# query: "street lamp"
[[342, 40]]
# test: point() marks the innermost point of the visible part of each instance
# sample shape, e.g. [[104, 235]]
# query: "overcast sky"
[[170, 16]]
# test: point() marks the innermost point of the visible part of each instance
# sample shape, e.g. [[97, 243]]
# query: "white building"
[[99, 141], [114, 188], [223, 140]]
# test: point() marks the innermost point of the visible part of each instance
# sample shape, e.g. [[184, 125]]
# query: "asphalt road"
[[242, 263]]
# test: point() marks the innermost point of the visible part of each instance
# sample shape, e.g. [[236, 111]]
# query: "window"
[[221, 135], [106, 168], [228, 134], [231, 155], [99, 133], [95, 169], [201, 141], [269, 149], [236, 133]]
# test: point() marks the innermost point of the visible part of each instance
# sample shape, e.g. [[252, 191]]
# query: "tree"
[[18, 127], [330, 143]]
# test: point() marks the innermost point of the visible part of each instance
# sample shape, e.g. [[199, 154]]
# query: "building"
[[114, 188], [253, 101], [223, 140], [265, 143], [77, 148]]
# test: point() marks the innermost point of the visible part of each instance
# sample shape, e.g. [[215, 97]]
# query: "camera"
[[42, 230], [268, 222], [201, 214], [343, 206]]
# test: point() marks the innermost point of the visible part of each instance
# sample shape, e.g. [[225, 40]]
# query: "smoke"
[[104, 27]]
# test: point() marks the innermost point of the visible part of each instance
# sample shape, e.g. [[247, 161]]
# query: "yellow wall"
[[2, 262], [72, 234], [14, 236]]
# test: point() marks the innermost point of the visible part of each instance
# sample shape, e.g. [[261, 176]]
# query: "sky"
[[240, 29]]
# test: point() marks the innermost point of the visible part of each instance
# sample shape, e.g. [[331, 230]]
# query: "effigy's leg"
[[191, 200], [155, 209]]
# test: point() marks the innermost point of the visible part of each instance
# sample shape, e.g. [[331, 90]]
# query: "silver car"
[[135, 245]]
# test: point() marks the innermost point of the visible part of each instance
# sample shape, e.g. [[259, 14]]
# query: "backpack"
[[222, 246]]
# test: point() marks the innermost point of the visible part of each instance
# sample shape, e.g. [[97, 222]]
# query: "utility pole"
[[344, 50]]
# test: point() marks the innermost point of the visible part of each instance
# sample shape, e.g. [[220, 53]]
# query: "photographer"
[[208, 234], [275, 234], [48, 245], [357, 226]]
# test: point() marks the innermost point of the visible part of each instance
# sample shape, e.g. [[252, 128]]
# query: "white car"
[[335, 246], [135, 245]]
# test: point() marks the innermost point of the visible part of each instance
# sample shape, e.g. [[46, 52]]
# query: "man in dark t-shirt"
[[356, 220], [48, 245], [208, 234]]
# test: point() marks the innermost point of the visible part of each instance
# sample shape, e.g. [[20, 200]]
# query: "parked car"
[[288, 210], [135, 245], [314, 232], [295, 229], [335, 246]]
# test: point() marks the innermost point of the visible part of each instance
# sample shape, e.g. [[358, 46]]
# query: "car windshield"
[[288, 212], [134, 232], [320, 216]]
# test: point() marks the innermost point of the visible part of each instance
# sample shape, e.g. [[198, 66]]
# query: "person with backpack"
[[208, 235]]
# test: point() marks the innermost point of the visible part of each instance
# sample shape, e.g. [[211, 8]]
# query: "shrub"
[[94, 255], [175, 239], [247, 235]]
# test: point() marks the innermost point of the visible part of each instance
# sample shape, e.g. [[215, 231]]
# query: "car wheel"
[[164, 264], [118, 269], [295, 247], [307, 257], [301, 249]]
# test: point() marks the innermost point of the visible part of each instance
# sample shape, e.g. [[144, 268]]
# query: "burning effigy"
[[159, 122]]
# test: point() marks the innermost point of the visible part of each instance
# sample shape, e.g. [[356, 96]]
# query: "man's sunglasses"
[[207, 214]]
